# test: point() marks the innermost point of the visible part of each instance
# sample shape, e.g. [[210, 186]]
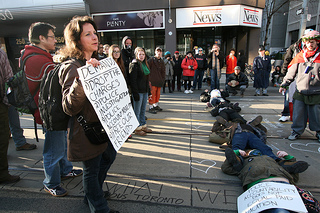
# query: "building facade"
[[181, 25], [296, 11], [170, 24]]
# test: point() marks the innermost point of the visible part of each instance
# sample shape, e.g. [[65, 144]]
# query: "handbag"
[[95, 132], [311, 204]]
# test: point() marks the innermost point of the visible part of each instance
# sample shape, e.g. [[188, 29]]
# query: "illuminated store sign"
[[234, 15]]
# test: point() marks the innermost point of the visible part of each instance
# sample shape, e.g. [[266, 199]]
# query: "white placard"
[[107, 91], [268, 195]]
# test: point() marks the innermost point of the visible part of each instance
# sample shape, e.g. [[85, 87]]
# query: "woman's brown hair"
[[136, 51], [119, 60], [72, 33]]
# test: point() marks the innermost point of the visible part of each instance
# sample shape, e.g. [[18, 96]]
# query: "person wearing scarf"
[[139, 81], [306, 99]]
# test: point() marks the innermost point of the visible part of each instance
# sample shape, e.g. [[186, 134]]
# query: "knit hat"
[[167, 54], [311, 35], [237, 68], [189, 52]]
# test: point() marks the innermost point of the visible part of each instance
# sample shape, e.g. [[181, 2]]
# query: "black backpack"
[[18, 93], [50, 102]]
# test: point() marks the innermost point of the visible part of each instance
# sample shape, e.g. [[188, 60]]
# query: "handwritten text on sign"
[[269, 195], [106, 89]]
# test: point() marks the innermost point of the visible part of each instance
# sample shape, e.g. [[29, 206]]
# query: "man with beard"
[[305, 68]]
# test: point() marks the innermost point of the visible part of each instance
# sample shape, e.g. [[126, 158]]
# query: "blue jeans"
[[140, 108], [286, 110], [227, 76], [55, 161], [215, 81], [94, 173], [198, 76], [245, 140], [15, 128], [300, 115]]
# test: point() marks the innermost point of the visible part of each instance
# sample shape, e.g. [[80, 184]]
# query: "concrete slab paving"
[[176, 165]]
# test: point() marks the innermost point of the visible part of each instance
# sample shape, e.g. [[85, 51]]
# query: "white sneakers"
[[188, 91], [284, 118]]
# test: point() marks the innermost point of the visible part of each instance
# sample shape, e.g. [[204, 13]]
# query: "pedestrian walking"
[[81, 47]]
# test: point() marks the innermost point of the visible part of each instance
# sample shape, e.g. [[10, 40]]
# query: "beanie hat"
[[311, 35], [167, 53], [189, 52]]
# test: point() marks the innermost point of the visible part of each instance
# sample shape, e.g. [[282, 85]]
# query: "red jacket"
[[186, 63], [34, 69], [231, 64]]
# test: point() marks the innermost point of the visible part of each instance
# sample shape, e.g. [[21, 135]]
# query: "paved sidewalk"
[[175, 165]]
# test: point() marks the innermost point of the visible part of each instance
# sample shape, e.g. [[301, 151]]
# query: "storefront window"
[[201, 37], [148, 39]]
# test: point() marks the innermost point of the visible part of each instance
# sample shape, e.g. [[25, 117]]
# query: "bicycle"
[[249, 72]]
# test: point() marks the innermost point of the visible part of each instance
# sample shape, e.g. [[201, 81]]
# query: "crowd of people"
[[145, 77]]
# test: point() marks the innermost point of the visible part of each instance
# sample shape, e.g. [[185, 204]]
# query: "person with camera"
[[189, 65], [215, 65], [231, 63]]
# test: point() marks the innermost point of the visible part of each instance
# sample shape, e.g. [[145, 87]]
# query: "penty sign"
[[233, 15], [137, 20]]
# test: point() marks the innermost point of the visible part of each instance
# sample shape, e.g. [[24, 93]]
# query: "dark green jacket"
[[256, 168]]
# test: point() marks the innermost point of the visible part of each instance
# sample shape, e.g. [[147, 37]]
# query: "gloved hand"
[[136, 96]]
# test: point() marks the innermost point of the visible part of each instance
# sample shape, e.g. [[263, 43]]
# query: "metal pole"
[[318, 13], [303, 21]]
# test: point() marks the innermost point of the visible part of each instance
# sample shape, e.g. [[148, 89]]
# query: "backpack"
[[50, 102], [204, 97], [18, 93]]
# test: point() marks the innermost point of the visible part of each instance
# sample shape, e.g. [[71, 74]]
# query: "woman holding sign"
[[139, 82], [81, 47]]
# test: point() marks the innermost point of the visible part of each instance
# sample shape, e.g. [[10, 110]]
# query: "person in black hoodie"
[[202, 66], [242, 61], [127, 53], [177, 71]]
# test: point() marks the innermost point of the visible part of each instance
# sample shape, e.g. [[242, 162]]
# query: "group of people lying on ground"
[[247, 154]]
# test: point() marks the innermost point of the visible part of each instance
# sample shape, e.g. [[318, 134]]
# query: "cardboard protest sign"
[[107, 91], [269, 195]]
